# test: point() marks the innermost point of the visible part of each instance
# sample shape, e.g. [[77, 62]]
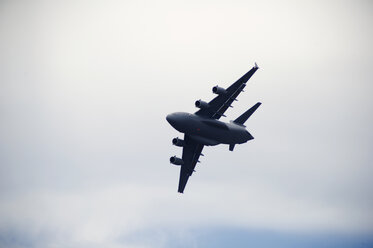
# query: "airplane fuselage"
[[204, 129], [208, 131]]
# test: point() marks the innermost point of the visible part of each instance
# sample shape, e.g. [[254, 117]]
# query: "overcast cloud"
[[85, 87]]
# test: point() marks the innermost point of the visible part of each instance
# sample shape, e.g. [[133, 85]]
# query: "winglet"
[[256, 66], [241, 120]]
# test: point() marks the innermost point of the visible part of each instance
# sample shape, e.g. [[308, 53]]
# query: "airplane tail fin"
[[243, 118]]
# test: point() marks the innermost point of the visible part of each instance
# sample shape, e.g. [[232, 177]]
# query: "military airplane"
[[203, 128]]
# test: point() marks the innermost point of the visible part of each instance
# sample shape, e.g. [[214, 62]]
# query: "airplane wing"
[[191, 152], [218, 105]]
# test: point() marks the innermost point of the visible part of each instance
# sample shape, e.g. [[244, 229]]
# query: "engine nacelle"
[[201, 104], [218, 90], [178, 142], [176, 161]]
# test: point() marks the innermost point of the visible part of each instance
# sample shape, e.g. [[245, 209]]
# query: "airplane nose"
[[174, 120], [170, 119]]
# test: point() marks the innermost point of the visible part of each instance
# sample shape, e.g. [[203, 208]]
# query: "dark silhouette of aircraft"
[[203, 128]]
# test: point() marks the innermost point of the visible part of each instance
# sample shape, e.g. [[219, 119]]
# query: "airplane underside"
[[203, 128]]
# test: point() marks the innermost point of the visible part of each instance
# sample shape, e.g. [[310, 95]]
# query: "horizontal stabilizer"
[[243, 118]]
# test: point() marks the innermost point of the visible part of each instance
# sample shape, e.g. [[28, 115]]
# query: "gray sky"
[[84, 145]]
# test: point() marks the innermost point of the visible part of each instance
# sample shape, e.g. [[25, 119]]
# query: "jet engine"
[[178, 142], [201, 104], [218, 90], [176, 161]]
